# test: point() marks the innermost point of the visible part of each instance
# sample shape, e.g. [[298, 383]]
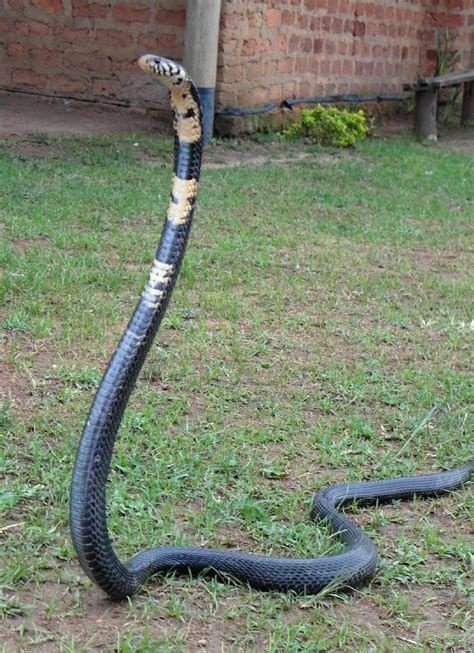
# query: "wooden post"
[[426, 102], [467, 111], [201, 38]]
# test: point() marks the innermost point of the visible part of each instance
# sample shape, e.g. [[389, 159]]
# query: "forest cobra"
[[87, 503]]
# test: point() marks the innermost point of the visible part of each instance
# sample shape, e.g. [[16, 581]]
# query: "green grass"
[[321, 329]]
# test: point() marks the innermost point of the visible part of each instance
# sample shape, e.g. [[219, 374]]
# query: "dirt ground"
[[22, 114]]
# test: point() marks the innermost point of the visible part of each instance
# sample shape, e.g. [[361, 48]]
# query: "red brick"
[[125, 13], [287, 17], [63, 84], [87, 62], [124, 66], [329, 46], [106, 87], [17, 51], [45, 57], [358, 28], [248, 47], [313, 66], [16, 5], [4, 25], [378, 11], [88, 10], [235, 74], [347, 66], [270, 67], [294, 43], [276, 91], [371, 28], [304, 89], [171, 17], [51, 6], [229, 20], [28, 78], [272, 17], [302, 21], [69, 35], [325, 67], [301, 65], [377, 51], [28, 27], [455, 20], [114, 37], [289, 89], [281, 42], [332, 6], [262, 45], [286, 65], [163, 43], [255, 20], [318, 46], [349, 26], [336, 67], [306, 45], [337, 25], [315, 23], [369, 68]]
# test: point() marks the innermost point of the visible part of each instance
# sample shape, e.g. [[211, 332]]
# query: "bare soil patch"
[[22, 114]]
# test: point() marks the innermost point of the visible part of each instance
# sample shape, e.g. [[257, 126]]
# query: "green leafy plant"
[[447, 57], [331, 126]]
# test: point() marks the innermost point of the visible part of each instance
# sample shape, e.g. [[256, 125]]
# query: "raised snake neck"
[[87, 502]]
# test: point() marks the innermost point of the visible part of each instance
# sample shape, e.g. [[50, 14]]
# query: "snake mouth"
[[164, 69], [149, 62]]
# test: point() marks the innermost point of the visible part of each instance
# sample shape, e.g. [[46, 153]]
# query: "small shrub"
[[334, 127]]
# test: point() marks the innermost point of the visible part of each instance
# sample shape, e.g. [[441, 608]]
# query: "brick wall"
[[87, 49], [275, 50], [269, 50]]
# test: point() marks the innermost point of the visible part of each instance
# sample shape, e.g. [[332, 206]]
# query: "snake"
[[357, 562]]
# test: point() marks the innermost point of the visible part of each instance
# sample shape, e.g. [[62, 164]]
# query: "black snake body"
[[87, 503]]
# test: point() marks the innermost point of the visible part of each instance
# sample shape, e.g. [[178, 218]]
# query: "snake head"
[[168, 72]]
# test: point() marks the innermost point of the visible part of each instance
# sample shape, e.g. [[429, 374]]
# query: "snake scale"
[[87, 501]]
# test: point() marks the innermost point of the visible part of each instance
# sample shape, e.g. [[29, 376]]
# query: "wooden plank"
[[454, 78], [443, 81]]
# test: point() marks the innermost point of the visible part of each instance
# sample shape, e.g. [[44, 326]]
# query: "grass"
[[320, 331]]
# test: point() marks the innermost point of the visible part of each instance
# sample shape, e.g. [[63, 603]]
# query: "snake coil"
[[87, 502]]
